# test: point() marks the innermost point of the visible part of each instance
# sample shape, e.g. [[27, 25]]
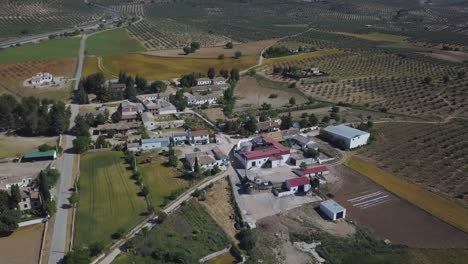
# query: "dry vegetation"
[[23, 246], [13, 75], [218, 205], [15, 146]]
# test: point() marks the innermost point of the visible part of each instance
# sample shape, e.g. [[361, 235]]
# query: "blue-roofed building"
[[351, 137], [332, 210]]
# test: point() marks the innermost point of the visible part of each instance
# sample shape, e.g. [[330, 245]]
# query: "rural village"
[[144, 136]]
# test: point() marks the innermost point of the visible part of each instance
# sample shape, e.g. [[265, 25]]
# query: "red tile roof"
[[312, 170], [274, 151], [298, 181], [197, 133]]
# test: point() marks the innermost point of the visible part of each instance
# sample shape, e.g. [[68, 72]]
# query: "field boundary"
[[437, 205]]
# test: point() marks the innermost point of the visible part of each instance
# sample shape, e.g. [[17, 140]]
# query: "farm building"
[[207, 159], [350, 137], [159, 107], [204, 81], [268, 125], [261, 152], [179, 138], [38, 156], [313, 172], [292, 186], [130, 110], [147, 144], [41, 78], [30, 199], [332, 210], [152, 122], [298, 158], [120, 127], [303, 141], [202, 99], [198, 137]]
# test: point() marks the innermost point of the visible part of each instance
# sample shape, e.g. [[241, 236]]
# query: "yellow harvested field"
[[90, 66], [160, 68], [302, 56], [15, 146], [23, 246], [249, 48], [437, 205]]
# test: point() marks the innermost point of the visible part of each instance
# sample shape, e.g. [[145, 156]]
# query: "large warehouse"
[[351, 137], [332, 210]]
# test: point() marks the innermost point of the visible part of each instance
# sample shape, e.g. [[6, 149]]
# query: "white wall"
[[359, 141], [329, 213]]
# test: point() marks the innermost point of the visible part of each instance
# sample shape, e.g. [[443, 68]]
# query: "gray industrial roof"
[[332, 206], [345, 131]]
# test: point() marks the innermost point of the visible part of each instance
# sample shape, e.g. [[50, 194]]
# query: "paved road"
[[107, 259], [65, 166], [23, 40]]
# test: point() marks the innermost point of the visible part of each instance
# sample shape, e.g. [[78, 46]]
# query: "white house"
[[262, 152], [332, 210], [351, 137], [219, 81], [199, 137], [202, 99], [204, 81], [299, 184], [179, 138], [41, 77], [147, 144]]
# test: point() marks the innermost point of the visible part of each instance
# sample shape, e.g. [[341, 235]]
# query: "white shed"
[[333, 210]]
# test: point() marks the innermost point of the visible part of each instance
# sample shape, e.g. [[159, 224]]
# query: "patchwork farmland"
[[109, 199]]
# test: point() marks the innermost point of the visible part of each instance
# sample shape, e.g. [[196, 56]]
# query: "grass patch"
[[309, 55], [188, 235], [48, 49], [156, 68], [437, 205], [161, 181], [108, 198], [112, 42]]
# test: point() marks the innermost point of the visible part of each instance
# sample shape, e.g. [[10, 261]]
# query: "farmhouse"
[[130, 110], [204, 81], [313, 172], [179, 138], [202, 99], [41, 78], [207, 159], [303, 141], [348, 136], [332, 210], [198, 137], [262, 152], [147, 144], [120, 127], [268, 125], [293, 186], [159, 107], [38, 156], [30, 199], [298, 158], [151, 122]]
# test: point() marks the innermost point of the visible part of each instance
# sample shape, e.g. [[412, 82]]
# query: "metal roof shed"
[[345, 131], [332, 209]]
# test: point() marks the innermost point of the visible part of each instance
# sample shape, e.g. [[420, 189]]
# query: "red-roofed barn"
[[262, 152]]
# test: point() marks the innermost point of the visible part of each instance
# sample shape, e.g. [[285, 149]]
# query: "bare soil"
[[23, 246], [393, 218], [213, 114], [218, 205], [250, 93], [249, 48]]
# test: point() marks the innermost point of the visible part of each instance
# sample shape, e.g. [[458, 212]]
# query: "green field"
[[161, 181], [186, 235], [112, 42], [108, 198], [47, 49]]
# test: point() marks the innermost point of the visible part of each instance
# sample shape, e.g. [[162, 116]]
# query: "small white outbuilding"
[[332, 210]]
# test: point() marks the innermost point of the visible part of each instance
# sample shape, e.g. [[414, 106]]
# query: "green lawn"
[[108, 198], [44, 50], [113, 42], [186, 235], [161, 181]]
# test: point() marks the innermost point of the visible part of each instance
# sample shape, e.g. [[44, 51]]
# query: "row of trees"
[[189, 80], [34, 117], [96, 84], [9, 216]]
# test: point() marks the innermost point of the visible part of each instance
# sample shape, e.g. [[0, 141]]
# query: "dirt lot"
[[218, 205], [27, 169], [15, 146], [213, 114], [250, 93], [250, 48], [389, 217], [23, 246]]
